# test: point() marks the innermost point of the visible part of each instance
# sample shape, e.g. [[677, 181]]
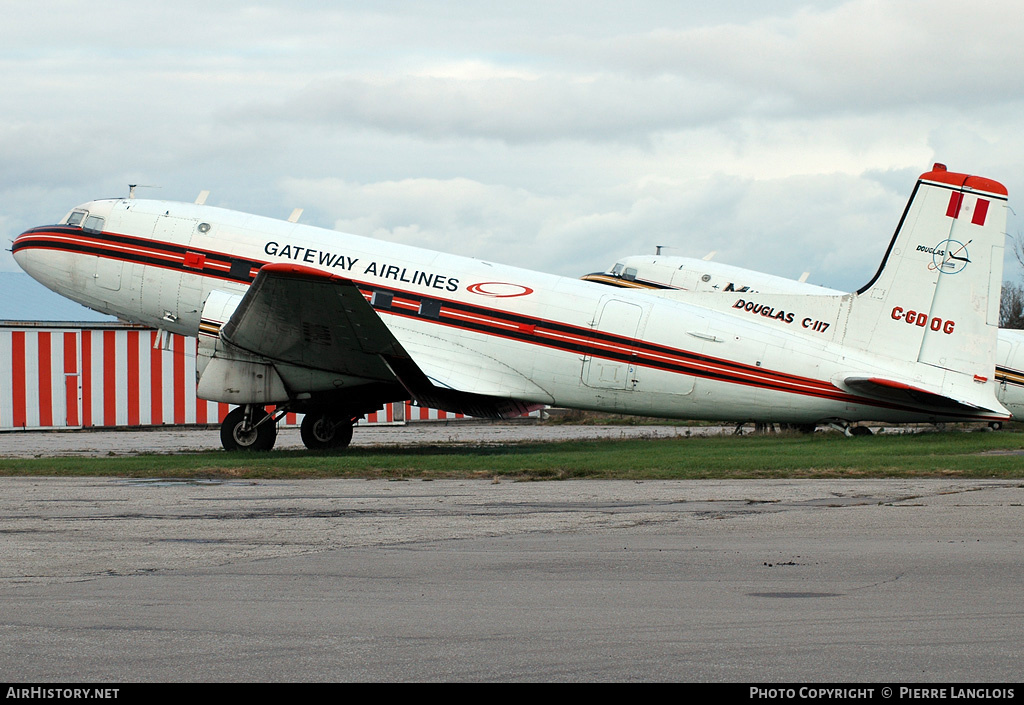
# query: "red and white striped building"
[[83, 375]]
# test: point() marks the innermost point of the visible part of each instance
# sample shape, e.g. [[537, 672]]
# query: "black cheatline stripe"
[[796, 385], [101, 249], [834, 393], [675, 367], [415, 299], [818, 388], [136, 258], [640, 346], [78, 248], [104, 237]]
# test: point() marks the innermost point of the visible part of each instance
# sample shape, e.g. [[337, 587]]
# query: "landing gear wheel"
[[860, 431], [324, 432], [236, 434]]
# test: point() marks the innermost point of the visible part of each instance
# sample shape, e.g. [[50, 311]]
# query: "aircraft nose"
[[33, 255], [22, 250]]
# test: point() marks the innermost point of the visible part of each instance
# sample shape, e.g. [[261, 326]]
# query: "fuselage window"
[[93, 224], [76, 217], [240, 269], [430, 308]]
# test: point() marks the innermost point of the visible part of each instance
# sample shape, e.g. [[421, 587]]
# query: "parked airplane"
[[669, 274], [673, 273], [333, 325]]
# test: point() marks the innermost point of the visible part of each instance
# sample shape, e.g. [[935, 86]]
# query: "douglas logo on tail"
[[314, 329]]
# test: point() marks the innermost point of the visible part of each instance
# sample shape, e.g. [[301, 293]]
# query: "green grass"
[[823, 455]]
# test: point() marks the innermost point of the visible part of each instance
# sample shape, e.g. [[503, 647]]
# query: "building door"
[[72, 379]]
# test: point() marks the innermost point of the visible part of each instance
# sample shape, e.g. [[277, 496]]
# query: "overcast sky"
[[552, 135]]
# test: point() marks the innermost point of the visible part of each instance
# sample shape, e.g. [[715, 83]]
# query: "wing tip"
[[299, 271]]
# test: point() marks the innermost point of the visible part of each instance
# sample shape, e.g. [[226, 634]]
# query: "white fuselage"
[[500, 330]]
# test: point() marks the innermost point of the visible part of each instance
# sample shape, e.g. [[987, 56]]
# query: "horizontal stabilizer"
[[903, 393]]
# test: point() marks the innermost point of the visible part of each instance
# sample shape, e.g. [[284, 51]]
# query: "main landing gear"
[[326, 432], [250, 427], [851, 431]]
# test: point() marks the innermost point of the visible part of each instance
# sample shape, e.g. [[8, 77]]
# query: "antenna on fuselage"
[[132, 187]]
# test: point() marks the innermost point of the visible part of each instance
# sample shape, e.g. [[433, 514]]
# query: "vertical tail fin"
[[935, 297]]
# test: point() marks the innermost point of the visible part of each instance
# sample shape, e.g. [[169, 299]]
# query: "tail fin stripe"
[[955, 200], [980, 212]]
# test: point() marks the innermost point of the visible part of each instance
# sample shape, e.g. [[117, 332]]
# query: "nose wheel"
[[248, 428]]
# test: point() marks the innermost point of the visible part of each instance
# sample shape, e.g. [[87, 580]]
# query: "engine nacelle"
[[226, 373]]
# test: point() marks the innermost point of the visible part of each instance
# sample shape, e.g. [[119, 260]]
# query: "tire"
[[234, 435], [860, 431], [326, 432]]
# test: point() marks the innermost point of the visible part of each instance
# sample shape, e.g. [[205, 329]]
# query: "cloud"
[[865, 57], [784, 226], [466, 217], [861, 55], [512, 109], [559, 137]]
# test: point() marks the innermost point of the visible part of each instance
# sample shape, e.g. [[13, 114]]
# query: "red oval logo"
[[499, 290]]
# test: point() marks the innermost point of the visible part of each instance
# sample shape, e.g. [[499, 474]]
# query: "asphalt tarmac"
[[803, 581]]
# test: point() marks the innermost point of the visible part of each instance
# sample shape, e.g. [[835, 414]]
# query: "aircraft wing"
[[303, 317]]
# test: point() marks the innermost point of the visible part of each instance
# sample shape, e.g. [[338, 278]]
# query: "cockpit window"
[[629, 274], [93, 224], [617, 269], [76, 217]]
